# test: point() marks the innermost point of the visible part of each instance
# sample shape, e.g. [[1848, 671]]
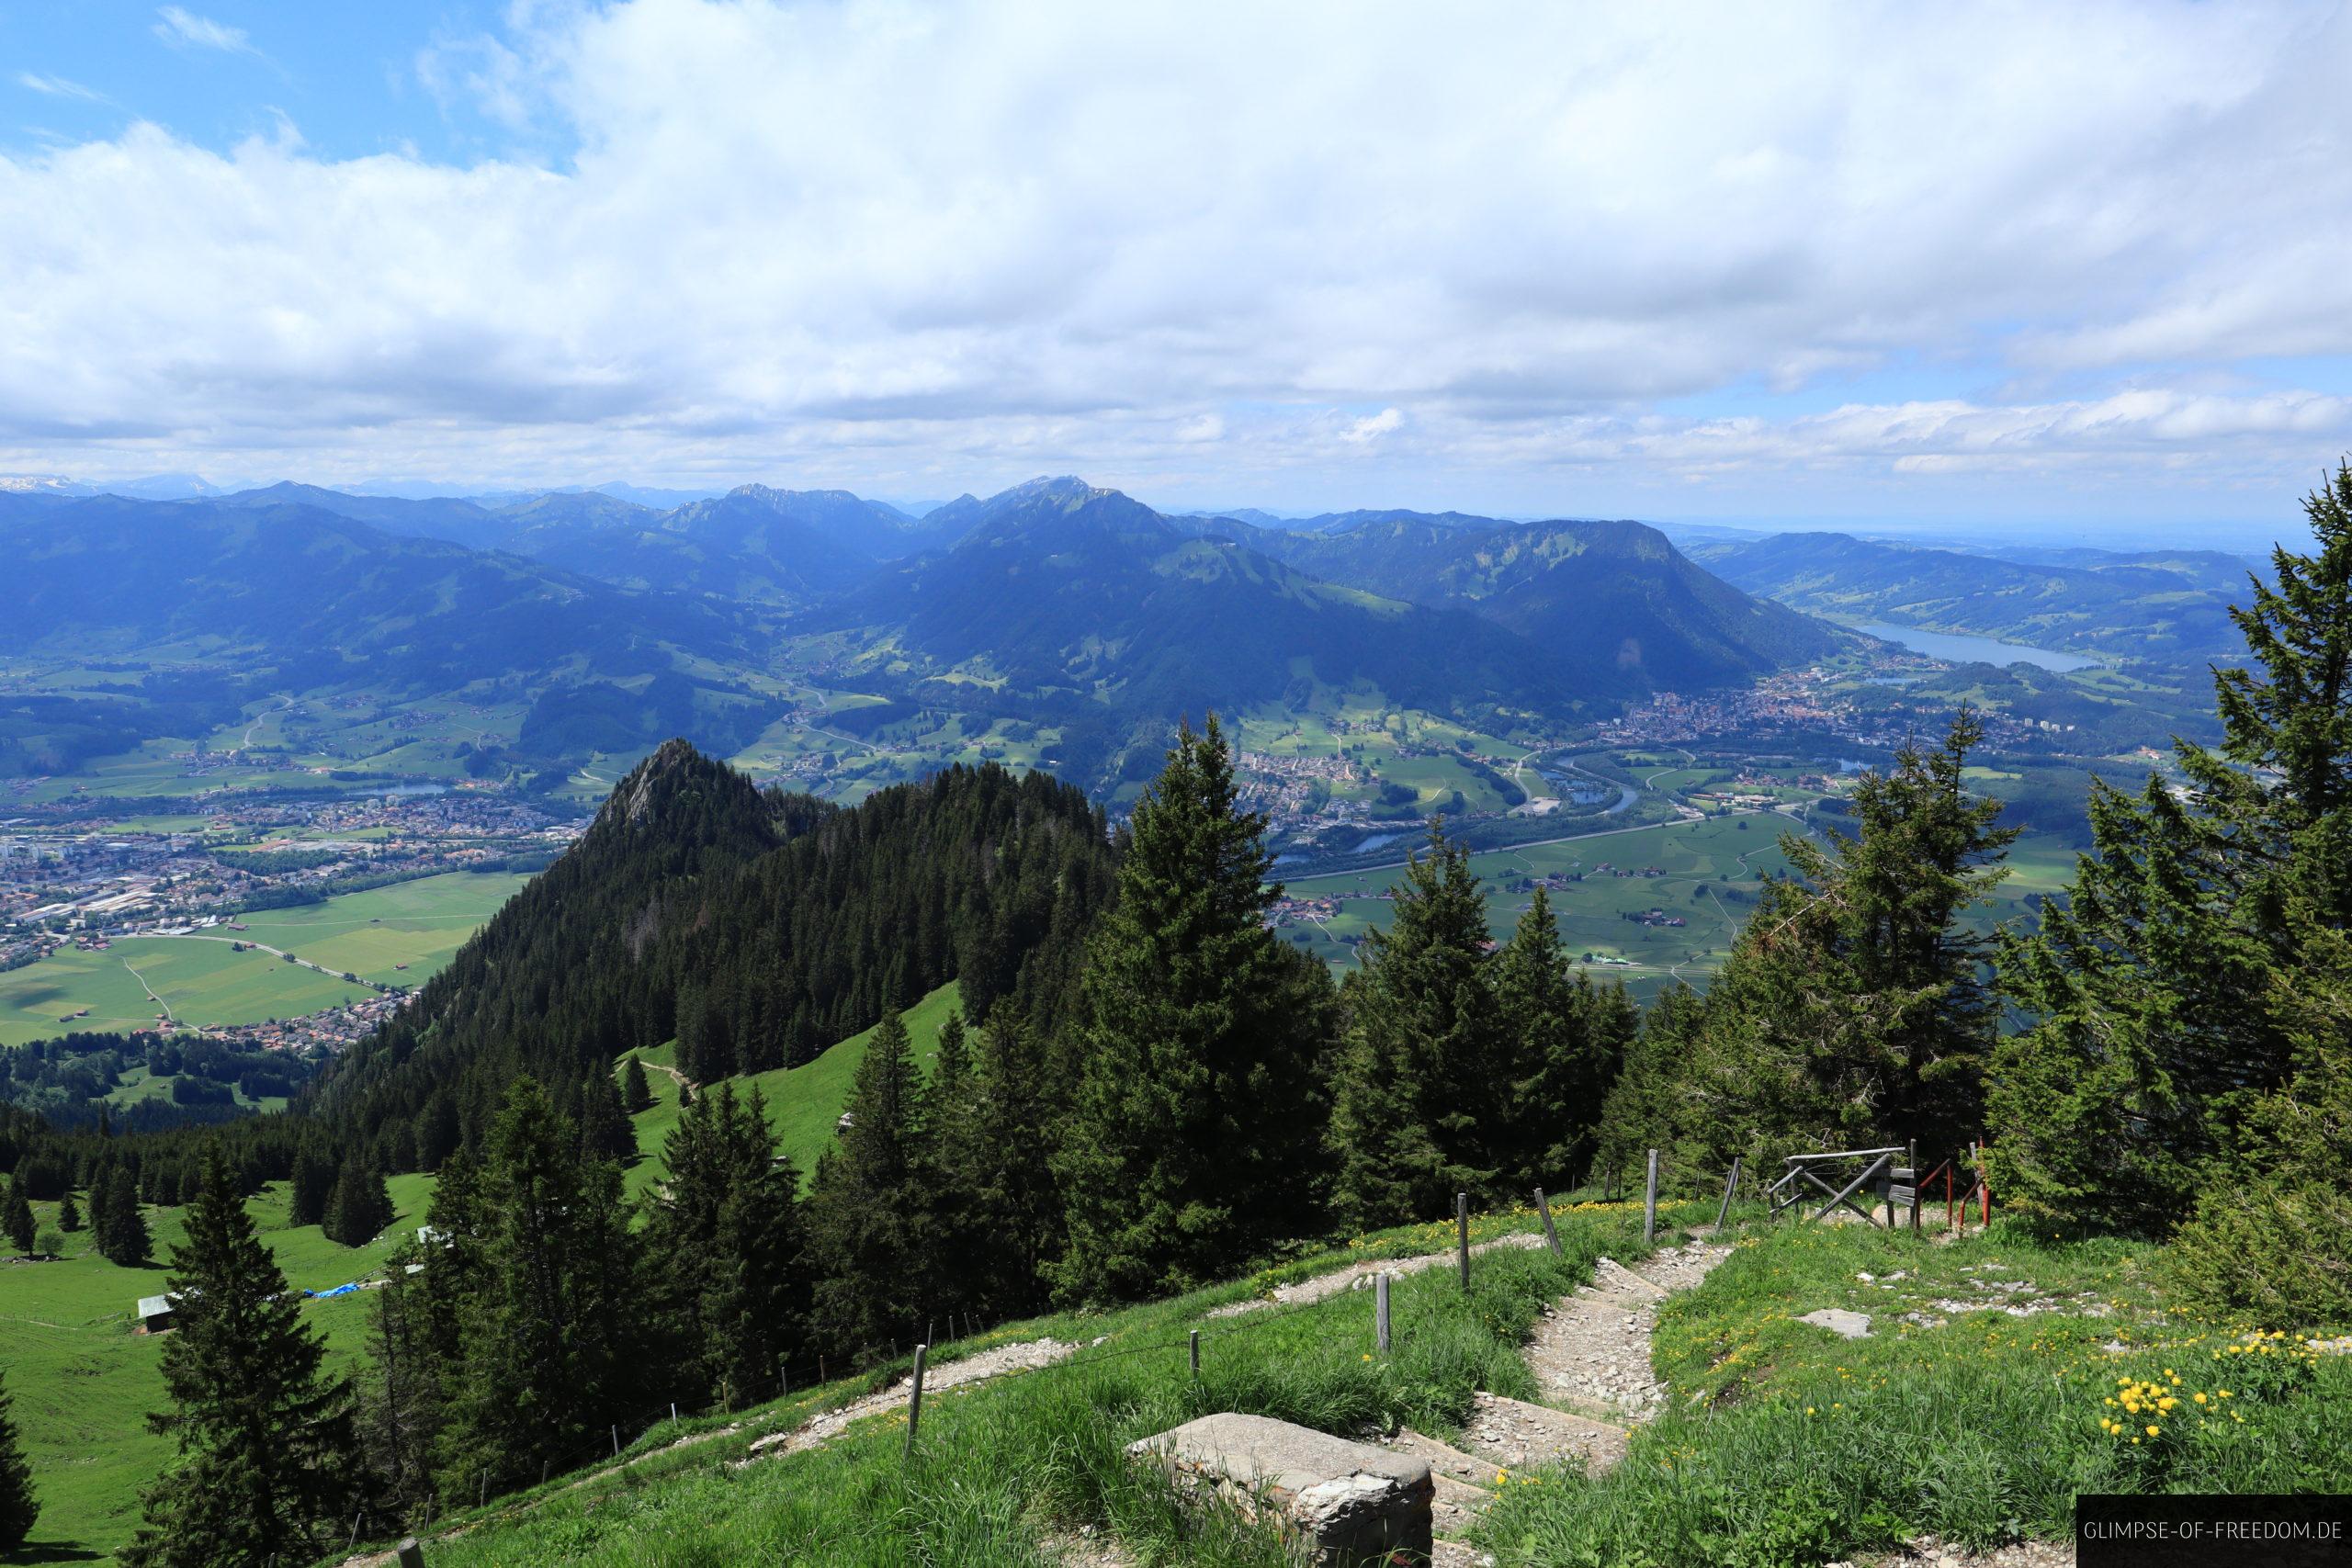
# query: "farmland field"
[[418, 923], [1706, 878], [205, 981]]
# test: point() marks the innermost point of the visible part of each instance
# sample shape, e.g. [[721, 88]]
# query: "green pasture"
[[804, 1102], [83, 1382], [420, 924], [207, 982]]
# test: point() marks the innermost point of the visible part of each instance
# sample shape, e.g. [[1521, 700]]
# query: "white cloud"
[[883, 238], [59, 87], [183, 28]]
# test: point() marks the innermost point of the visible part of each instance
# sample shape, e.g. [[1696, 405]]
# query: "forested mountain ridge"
[[1614, 603], [1058, 586], [2171, 607], [755, 927]]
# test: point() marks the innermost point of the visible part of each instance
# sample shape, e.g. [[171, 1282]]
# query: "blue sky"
[[2070, 266]]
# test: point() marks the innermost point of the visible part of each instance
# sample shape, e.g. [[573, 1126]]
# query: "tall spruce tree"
[[360, 1206], [548, 1333], [723, 1249], [403, 1401], [69, 1213], [1194, 1142], [18, 1506], [604, 1130], [1424, 1075], [268, 1464], [1563, 1039], [2162, 990], [869, 1209], [635, 1094], [16, 1217], [311, 1187], [1015, 1203], [122, 1237], [1855, 1007]]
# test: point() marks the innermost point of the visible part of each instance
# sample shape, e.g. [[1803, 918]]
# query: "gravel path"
[[1359, 1275], [1591, 1350]]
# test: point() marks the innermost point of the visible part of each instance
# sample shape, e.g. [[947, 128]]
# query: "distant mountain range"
[[2167, 605], [1054, 601]]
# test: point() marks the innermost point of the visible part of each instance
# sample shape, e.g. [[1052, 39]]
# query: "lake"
[[1973, 649]]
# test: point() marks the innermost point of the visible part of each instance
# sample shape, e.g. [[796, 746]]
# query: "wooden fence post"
[[1380, 1311], [1196, 1355], [1551, 1237], [1649, 1203], [1461, 1235], [412, 1555], [616, 1441], [914, 1399], [1730, 1185]]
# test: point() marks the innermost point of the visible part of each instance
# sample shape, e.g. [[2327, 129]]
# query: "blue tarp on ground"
[[338, 1290]]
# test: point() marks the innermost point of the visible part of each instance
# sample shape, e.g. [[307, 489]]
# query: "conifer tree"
[[635, 1093], [16, 1217], [604, 1130], [268, 1464], [402, 1404], [311, 1188], [1194, 1140], [724, 1248], [1562, 1042], [123, 1237], [869, 1225], [1855, 1007], [69, 1213], [548, 1335], [2163, 989], [18, 1506], [1424, 1073], [361, 1205]]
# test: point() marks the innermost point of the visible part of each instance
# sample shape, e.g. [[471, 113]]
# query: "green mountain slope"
[[1059, 588], [1614, 604], [2173, 607]]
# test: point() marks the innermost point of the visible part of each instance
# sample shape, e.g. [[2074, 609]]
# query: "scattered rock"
[[1344, 1502], [1847, 1325]]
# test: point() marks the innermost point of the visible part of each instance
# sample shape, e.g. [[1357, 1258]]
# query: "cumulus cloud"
[[888, 238]]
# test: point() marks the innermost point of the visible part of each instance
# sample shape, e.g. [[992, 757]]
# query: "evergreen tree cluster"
[[755, 929], [1466, 1068], [2185, 1059], [1856, 1007]]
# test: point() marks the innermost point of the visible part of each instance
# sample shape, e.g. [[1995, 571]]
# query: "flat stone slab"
[[1347, 1503], [1844, 1324]]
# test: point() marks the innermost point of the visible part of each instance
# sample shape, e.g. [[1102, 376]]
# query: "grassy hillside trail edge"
[[1035, 1444]]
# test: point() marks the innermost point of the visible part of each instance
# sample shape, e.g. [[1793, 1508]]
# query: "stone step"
[[1514, 1435], [1455, 1504], [1467, 1468]]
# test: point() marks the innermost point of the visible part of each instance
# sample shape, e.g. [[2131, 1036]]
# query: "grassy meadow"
[[1783, 1446], [804, 1102], [417, 924], [1707, 877], [84, 1381]]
